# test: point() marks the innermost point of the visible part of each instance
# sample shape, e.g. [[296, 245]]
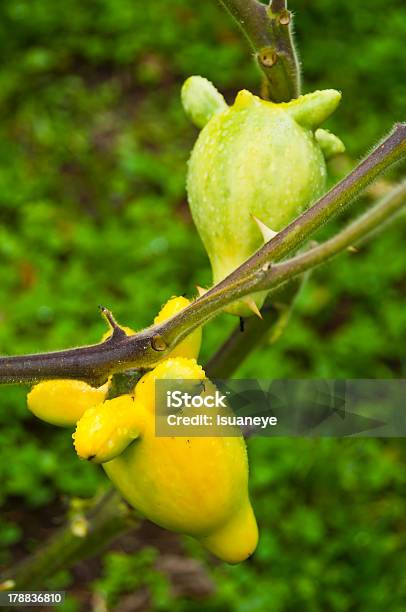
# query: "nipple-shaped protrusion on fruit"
[[244, 99], [63, 402], [105, 430], [237, 538], [201, 100], [312, 109], [267, 232], [190, 346], [174, 368], [329, 143]]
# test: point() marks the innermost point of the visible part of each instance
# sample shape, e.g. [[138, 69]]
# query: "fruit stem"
[[354, 233], [238, 346], [269, 32]]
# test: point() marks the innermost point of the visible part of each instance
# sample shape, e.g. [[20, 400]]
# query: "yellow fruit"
[[62, 402], [105, 430], [197, 485], [190, 346]]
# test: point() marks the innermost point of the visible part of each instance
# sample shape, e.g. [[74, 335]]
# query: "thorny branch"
[[120, 353], [269, 32]]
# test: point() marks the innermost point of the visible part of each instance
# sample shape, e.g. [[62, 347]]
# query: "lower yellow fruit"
[[196, 486]]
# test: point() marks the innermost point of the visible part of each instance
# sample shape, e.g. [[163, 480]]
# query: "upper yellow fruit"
[[190, 346]]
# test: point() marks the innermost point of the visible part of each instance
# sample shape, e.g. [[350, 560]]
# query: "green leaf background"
[[93, 151]]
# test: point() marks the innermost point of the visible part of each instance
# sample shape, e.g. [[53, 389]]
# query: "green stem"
[[242, 341], [120, 352], [359, 230], [105, 520], [269, 32]]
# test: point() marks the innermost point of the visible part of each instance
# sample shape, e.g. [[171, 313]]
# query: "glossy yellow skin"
[[190, 346], [196, 486], [63, 402], [105, 430]]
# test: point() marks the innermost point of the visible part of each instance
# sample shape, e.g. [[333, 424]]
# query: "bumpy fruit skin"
[[190, 346], [105, 430], [255, 158], [196, 486], [63, 402]]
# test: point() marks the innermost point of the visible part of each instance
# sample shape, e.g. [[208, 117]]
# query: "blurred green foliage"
[[127, 573], [93, 151]]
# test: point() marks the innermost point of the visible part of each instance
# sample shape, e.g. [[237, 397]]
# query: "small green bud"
[[314, 108], [329, 143]]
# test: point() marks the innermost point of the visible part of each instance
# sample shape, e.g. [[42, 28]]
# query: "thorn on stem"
[[118, 332], [352, 249], [267, 232], [250, 303], [200, 290]]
